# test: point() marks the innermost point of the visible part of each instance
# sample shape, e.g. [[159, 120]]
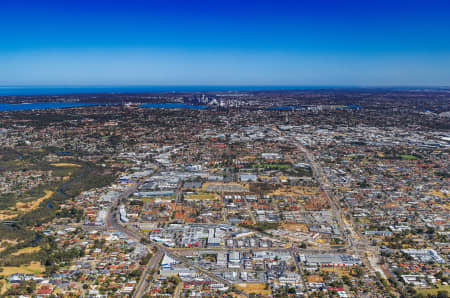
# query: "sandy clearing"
[[65, 164], [29, 206], [26, 250]]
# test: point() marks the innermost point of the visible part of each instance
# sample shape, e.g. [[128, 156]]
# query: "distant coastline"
[[49, 105], [65, 90]]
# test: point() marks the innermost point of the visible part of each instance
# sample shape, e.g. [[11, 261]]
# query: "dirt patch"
[[6, 243], [29, 206], [256, 288], [295, 227], [26, 250], [65, 164], [314, 278], [6, 215]]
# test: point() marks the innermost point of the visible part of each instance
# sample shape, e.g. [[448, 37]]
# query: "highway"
[[300, 270], [144, 281], [113, 222], [250, 211], [179, 290], [248, 249], [360, 247]]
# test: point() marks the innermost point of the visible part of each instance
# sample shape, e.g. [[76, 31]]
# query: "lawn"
[[408, 157], [426, 292], [32, 268]]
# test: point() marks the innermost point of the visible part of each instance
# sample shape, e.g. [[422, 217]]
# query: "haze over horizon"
[[283, 43]]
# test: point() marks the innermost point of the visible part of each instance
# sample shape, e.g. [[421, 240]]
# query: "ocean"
[[60, 90]]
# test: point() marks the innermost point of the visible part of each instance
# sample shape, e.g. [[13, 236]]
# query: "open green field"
[[426, 292], [412, 157]]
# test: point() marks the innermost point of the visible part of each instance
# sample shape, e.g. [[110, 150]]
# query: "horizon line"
[[218, 85]]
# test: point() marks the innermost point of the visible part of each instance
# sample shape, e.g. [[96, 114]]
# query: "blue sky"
[[225, 42]]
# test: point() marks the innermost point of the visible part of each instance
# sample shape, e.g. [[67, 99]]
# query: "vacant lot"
[[200, 196], [295, 227], [224, 187], [256, 288]]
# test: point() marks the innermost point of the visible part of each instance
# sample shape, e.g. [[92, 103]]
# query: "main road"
[[348, 229], [113, 222], [152, 264]]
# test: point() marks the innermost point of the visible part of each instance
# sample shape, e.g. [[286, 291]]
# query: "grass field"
[[28, 206], [6, 243], [32, 268], [425, 292], [65, 164], [256, 288], [296, 191], [5, 215], [408, 157], [338, 270], [26, 250], [200, 196], [24, 206]]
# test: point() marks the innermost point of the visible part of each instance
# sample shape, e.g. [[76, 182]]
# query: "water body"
[[282, 108], [57, 90], [172, 106], [48, 105]]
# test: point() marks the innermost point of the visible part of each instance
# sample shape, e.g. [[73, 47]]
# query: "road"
[[322, 180], [248, 249], [300, 270], [361, 246], [153, 263], [250, 211], [348, 229], [178, 290], [113, 222]]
